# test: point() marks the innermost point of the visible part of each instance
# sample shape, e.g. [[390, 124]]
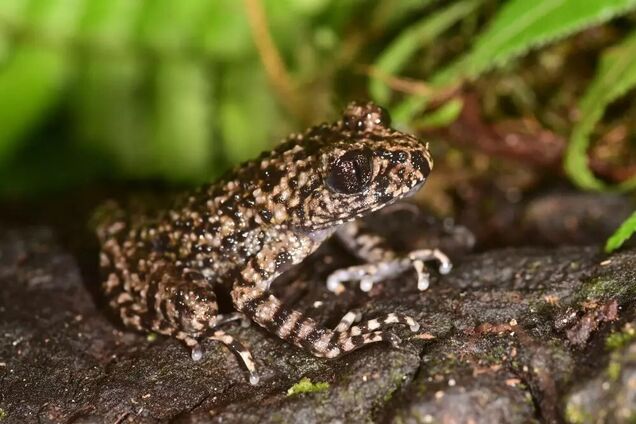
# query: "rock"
[[513, 335]]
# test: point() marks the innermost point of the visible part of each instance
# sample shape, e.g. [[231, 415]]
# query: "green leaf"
[[110, 24], [12, 12], [112, 113], [390, 12], [30, 83], [442, 116], [54, 20], [182, 138], [624, 232], [616, 75], [521, 25], [400, 51], [225, 32], [247, 113], [171, 26]]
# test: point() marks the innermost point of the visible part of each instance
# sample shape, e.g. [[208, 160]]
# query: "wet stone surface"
[[514, 335]]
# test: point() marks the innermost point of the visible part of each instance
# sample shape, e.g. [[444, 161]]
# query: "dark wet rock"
[[611, 395], [515, 335], [501, 217]]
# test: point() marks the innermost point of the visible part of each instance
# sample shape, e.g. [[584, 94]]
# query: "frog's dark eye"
[[351, 173]]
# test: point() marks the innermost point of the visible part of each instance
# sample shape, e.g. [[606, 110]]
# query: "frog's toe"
[[241, 351], [254, 379], [196, 353]]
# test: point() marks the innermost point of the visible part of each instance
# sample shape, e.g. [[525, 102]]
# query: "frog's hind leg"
[[182, 304], [293, 326]]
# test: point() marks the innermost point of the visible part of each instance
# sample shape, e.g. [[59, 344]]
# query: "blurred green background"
[[103, 91]]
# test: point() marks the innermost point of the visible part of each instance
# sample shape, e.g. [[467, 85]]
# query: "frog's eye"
[[351, 173]]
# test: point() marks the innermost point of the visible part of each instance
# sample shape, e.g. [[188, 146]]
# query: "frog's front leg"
[[251, 296], [382, 262]]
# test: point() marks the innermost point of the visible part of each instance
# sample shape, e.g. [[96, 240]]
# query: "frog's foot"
[[234, 345], [369, 274], [379, 323], [293, 326]]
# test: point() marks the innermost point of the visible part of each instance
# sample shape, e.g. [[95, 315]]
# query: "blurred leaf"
[[624, 232], [445, 115], [112, 112], [32, 80], [390, 12], [54, 20], [248, 112], [182, 138], [308, 7], [110, 102], [12, 12], [110, 24], [616, 75], [404, 112], [171, 26], [225, 32], [30, 83], [412, 39], [521, 25], [288, 25]]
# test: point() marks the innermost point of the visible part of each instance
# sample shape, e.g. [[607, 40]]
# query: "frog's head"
[[353, 167]]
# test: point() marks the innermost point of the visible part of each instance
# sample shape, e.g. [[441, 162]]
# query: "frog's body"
[[239, 234]]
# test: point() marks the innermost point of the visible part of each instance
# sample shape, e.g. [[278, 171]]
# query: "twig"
[[412, 86], [401, 84], [268, 52]]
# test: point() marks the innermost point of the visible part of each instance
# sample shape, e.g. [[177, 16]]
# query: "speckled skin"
[[240, 233]]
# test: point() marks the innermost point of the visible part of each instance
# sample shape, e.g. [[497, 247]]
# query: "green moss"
[[614, 370], [306, 386], [606, 288], [621, 338], [3, 414], [397, 379]]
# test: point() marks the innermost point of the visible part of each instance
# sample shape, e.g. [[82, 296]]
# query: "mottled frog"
[[162, 270]]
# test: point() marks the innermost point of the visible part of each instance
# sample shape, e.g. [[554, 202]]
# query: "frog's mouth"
[[414, 190], [409, 193]]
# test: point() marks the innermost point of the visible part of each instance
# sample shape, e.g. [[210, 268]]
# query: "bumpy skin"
[[239, 234]]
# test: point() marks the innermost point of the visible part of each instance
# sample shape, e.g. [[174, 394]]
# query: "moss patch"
[[306, 386], [606, 288], [3, 414], [621, 338]]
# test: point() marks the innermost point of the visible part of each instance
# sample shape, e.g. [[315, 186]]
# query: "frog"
[[162, 269]]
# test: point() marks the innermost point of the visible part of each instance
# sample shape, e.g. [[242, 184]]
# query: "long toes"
[[241, 351], [389, 320], [384, 336]]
